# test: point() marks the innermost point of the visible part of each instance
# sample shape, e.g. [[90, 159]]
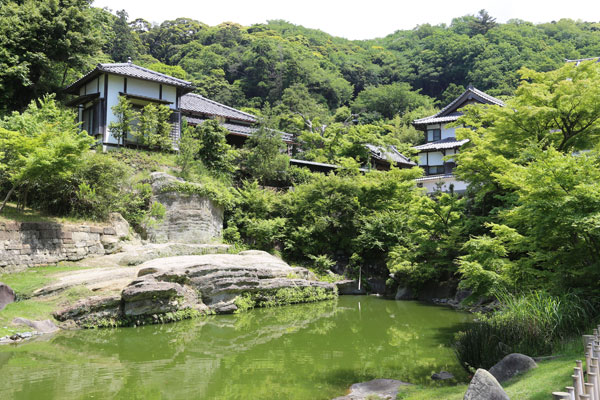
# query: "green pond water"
[[309, 351]]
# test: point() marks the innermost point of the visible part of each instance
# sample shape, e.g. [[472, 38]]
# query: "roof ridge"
[[129, 64], [471, 89]]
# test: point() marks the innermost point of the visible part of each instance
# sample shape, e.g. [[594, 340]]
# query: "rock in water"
[[376, 389], [484, 386], [7, 295], [511, 365]]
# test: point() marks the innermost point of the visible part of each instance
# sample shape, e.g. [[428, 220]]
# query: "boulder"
[[91, 309], [45, 326], [442, 376], [511, 365], [119, 224], [111, 244], [375, 389], [484, 386], [150, 296], [7, 295]]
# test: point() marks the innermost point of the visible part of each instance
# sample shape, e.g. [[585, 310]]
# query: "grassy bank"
[[537, 384], [24, 284]]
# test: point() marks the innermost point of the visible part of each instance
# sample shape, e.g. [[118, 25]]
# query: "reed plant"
[[532, 324]]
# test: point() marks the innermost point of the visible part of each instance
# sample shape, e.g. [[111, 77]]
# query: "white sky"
[[354, 19]]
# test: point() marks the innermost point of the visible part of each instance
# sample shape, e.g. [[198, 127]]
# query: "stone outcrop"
[[28, 244], [42, 327], [7, 295], [384, 389], [484, 386], [178, 287], [189, 217], [511, 365]]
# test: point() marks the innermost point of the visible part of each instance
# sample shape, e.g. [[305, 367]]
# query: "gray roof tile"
[[448, 143], [391, 153], [240, 130], [194, 103], [133, 71], [451, 109]]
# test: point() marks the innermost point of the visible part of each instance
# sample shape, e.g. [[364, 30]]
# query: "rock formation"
[[179, 287], [189, 217]]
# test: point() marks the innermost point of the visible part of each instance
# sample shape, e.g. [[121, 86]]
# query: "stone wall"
[[28, 244], [189, 218]]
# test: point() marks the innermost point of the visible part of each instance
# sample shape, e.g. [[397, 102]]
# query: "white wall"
[[135, 87], [443, 184], [448, 132]]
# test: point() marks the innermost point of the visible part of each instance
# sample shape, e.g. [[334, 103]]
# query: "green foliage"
[[321, 264], [123, 128], [211, 188], [389, 100], [40, 42], [282, 297], [213, 150], [39, 147], [188, 148], [262, 157], [534, 186], [153, 129], [533, 324]]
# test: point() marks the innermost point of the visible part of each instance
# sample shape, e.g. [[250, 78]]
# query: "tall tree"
[[40, 41]]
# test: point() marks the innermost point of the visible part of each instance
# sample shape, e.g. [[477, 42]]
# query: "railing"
[[586, 384]]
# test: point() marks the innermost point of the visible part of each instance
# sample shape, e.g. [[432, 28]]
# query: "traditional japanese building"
[[435, 156], [99, 90]]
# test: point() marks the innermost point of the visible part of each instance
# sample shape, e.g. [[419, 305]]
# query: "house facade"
[[99, 90], [436, 155]]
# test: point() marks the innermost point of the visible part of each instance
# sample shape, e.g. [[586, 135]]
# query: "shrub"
[[532, 324]]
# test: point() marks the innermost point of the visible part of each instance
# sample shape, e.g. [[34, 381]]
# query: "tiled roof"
[[194, 103], [130, 70], [240, 130], [448, 143], [451, 109], [436, 120], [381, 153]]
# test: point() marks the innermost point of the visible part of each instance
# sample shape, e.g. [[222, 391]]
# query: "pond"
[[308, 351]]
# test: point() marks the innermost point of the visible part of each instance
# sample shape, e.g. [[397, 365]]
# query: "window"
[[434, 135], [89, 120], [435, 169]]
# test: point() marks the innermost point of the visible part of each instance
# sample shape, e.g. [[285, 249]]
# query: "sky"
[[353, 19]]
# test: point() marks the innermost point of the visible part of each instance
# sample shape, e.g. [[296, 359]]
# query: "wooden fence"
[[586, 384]]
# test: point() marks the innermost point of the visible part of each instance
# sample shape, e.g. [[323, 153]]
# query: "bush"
[[532, 324]]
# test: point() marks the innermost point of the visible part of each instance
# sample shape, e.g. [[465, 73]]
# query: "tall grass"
[[532, 324]]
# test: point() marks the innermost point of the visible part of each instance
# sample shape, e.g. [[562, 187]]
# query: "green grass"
[[24, 284], [537, 384], [10, 213]]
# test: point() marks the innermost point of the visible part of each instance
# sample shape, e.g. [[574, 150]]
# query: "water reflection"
[[299, 352]]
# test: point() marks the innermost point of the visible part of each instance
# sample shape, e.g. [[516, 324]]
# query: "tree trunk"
[[10, 192]]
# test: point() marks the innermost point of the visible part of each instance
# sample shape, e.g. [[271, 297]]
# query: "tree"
[[214, 151], [389, 100], [123, 127], [154, 128], [126, 44], [40, 41], [188, 148], [534, 184], [39, 145], [263, 156]]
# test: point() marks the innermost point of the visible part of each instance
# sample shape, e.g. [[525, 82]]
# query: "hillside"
[[253, 66]]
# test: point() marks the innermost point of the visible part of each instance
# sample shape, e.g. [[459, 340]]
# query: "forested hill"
[[45, 44]]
